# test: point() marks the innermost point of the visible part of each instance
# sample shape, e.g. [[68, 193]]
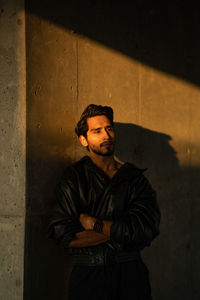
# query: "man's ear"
[[83, 140]]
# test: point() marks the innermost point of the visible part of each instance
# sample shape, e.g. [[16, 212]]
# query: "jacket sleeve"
[[65, 220], [139, 225]]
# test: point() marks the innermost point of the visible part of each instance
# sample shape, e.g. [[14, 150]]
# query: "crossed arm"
[[88, 237], [136, 226]]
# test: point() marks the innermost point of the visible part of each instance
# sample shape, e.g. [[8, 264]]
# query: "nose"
[[106, 133]]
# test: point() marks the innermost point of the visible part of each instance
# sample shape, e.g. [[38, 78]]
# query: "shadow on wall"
[[162, 34], [172, 258]]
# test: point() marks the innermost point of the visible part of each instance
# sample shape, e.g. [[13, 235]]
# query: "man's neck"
[[105, 163]]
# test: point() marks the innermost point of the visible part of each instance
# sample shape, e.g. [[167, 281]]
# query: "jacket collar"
[[127, 170]]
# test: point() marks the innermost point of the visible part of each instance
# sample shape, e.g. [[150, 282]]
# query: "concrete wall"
[[12, 148], [157, 126]]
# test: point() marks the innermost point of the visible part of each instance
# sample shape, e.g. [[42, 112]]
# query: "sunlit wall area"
[[157, 124], [12, 148]]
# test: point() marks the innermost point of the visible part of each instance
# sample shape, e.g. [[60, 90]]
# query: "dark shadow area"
[[46, 265], [172, 258], [161, 34]]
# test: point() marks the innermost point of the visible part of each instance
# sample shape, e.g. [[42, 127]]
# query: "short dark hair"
[[92, 110]]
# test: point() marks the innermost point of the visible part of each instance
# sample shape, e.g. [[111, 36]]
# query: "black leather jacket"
[[128, 200]]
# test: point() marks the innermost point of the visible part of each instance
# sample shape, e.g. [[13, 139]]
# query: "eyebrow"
[[94, 129]]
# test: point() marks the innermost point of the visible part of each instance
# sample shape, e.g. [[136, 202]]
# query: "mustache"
[[110, 142]]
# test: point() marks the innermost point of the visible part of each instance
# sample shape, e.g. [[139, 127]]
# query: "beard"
[[101, 153], [105, 150]]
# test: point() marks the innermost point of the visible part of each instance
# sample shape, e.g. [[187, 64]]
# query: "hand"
[[86, 221]]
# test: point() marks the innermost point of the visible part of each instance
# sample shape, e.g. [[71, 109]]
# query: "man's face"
[[100, 135]]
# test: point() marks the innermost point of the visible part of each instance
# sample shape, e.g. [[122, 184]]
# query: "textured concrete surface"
[[12, 257], [157, 126], [12, 148]]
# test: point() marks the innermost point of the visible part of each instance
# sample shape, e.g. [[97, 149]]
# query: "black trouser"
[[121, 281]]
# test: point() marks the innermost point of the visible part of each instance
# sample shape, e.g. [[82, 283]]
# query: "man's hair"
[[92, 110]]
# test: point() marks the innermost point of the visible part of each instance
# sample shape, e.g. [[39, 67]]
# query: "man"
[[105, 213]]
